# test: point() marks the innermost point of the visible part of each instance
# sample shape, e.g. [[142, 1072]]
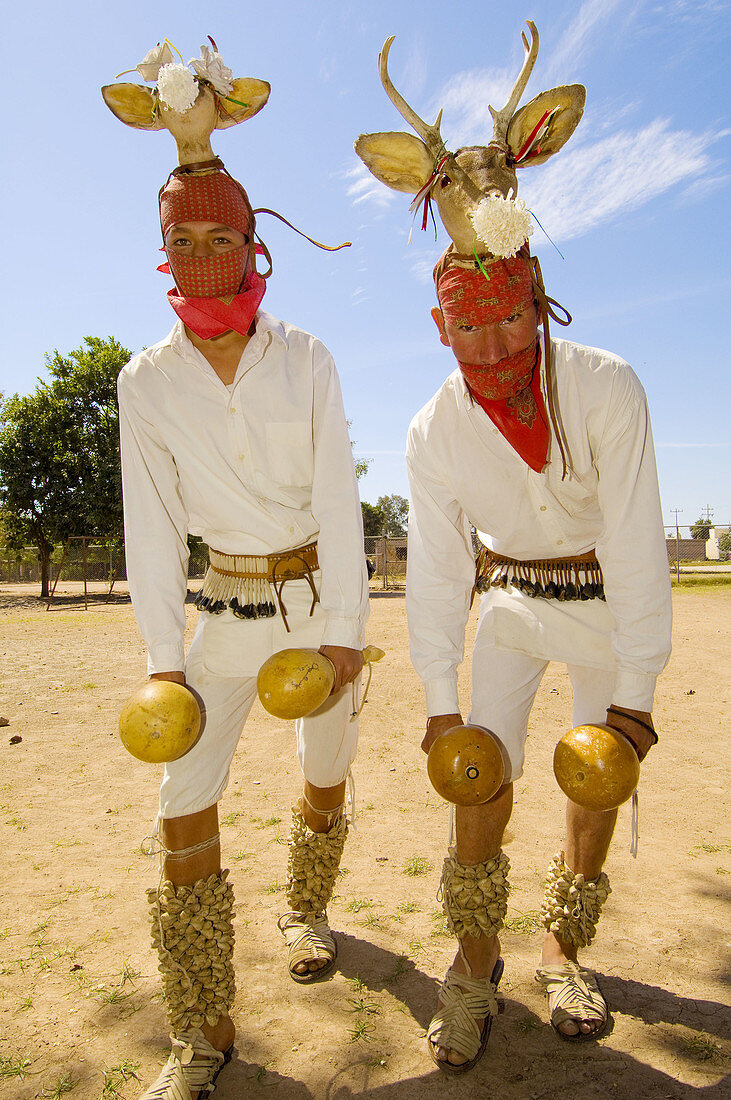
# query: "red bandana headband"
[[205, 197], [468, 298]]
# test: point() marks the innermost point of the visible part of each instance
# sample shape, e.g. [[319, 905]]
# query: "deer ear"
[[570, 99], [401, 161], [250, 95], [133, 104]]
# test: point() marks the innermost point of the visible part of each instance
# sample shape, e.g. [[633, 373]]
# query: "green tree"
[[701, 529], [395, 512], [59, 453], [724, 542], [372, 518], [361, 464]]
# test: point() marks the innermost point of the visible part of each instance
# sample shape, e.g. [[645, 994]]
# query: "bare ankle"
[[556, 951], [221, 1034], [480, 954]]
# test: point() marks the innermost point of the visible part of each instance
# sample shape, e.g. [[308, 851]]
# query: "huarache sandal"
[[573, 994], [308, 938], [462, 1002], [191, 1069]]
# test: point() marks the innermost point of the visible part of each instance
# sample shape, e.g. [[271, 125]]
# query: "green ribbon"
[[479, 261]]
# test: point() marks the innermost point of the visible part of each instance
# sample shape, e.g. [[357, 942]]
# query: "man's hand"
[[347, 664], [641, 739], [437, 724], [174, 677]]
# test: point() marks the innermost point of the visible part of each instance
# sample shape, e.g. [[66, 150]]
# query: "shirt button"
[[559, 542], [543, 507], [242, 458], [231, 411], [291, 530]]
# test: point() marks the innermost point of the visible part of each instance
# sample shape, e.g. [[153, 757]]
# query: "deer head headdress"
[[476, 187], [189, 102]]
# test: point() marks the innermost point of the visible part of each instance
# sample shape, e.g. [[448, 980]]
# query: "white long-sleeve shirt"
[[259, 467], [462, 471]]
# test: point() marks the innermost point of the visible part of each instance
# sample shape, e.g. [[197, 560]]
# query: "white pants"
[[504, 685], [221, 668]]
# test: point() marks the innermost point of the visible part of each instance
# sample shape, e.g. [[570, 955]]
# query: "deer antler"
[[430, 135], [501, 119]]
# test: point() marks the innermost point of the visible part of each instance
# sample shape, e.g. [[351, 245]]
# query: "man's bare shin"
[[326, 800], [588, 836], [480, 828], [179, 833]]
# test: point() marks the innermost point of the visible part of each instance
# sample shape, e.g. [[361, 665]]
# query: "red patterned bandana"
[[209, 276], [208, 197], [498, 381], [205, 197], [209, 317], [468, 298], [212, 294], [509, 391], [522, 419]]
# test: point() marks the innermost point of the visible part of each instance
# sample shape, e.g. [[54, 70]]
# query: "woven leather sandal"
[[462, 1002], [308, 938], [191, 1069], [573, 994]]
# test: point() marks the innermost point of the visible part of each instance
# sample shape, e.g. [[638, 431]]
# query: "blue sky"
[[637, 201]]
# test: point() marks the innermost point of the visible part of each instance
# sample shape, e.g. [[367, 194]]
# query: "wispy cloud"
[[619, 306], [689, 9], [363, 187], [580, 37], [603, 174], [422, 270], [596, 182], [465, 99], [466, 96]]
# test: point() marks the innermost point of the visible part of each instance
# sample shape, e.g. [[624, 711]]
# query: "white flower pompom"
[[501, 225], [209, 66], [177, 88], [150, 65]]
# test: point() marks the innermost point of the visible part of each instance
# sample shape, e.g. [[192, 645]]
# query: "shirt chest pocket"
[[290, 452]]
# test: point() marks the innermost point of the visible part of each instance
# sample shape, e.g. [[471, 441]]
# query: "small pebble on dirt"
[[15, 740], [4, 721]]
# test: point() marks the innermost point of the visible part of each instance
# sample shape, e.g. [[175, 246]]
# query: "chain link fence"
[[386, 556], [386, 559], [81, 558]]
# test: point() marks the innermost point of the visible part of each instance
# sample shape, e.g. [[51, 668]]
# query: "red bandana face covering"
[[209, 276], [509, 391], [209, 317], [212, 294]]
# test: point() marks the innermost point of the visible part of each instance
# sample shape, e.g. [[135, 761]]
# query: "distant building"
[[713, 552], [686, 549]]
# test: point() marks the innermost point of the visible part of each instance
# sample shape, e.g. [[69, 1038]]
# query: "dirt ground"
[[79, 1005]]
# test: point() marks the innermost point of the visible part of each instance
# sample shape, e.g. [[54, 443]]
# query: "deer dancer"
[[233, 430], [544, 446]]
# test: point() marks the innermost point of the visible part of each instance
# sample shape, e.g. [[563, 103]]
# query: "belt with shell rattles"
[[574, 578], [248, 585]]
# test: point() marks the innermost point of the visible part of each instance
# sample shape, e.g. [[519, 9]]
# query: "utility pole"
[[709, 514], [677, 543]]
